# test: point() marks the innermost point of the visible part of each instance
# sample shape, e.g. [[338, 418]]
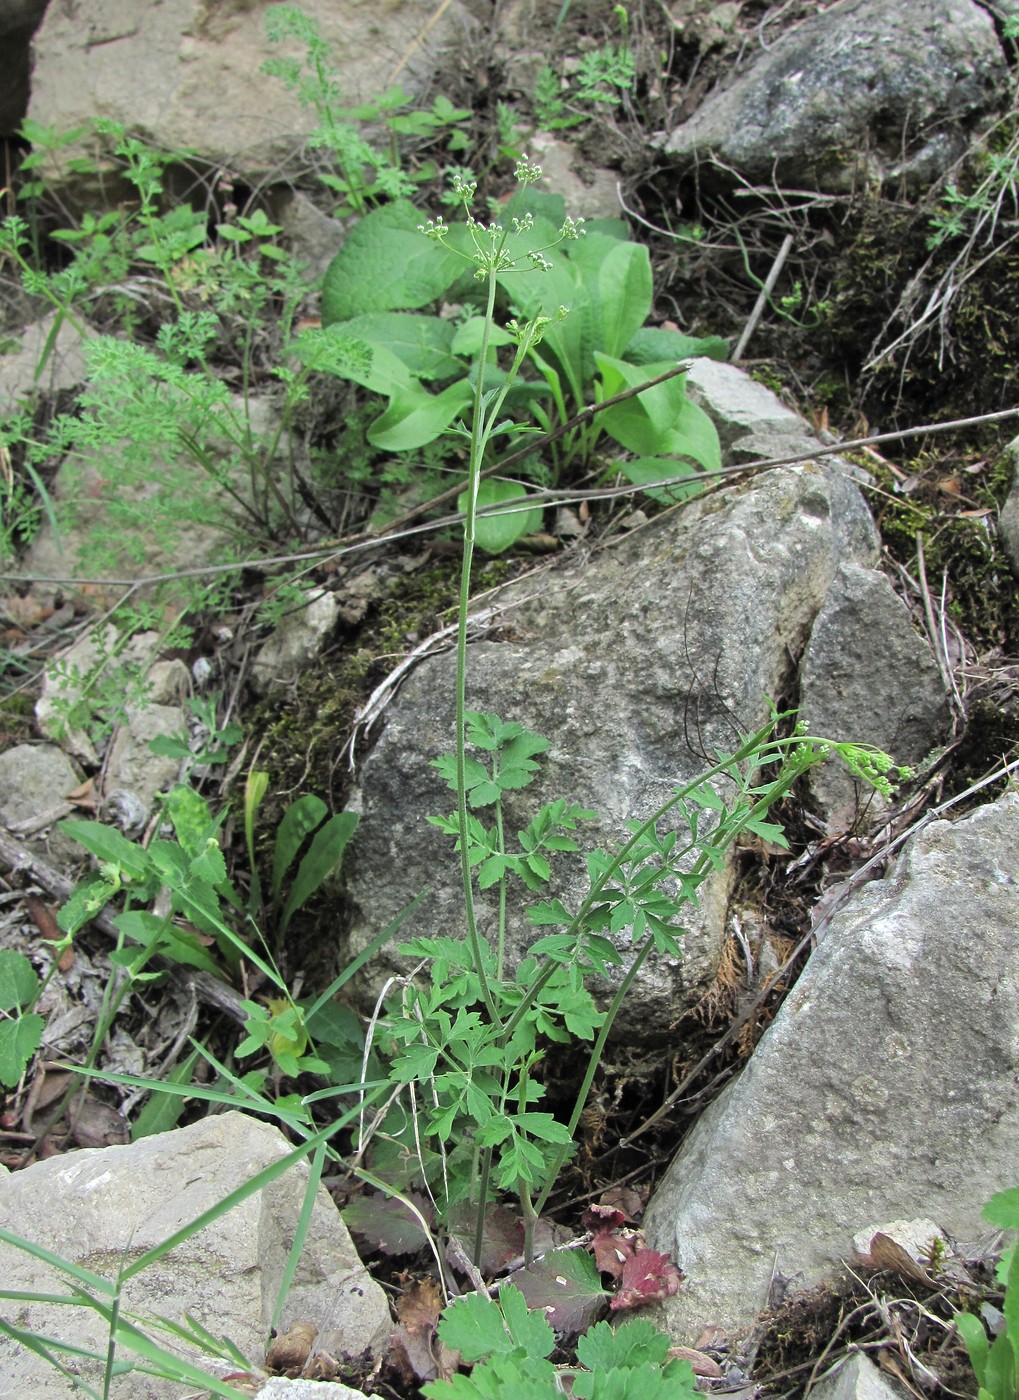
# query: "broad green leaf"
[[423, 343], [19, 1040], [639, 470], [622, 297], [18, 982], [496, 532], [105, 843], [325, 853], [190, 816], [386, 264], [299, 820], [178, 944], [652, 343], [415, 418], [468, 337], [661, 421], [1002, 1209]]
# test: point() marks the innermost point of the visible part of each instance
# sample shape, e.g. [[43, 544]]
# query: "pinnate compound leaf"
[[648, 1277], [566, 1287], [19, 1040]]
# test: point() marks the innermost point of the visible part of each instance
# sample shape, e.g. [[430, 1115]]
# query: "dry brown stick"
[[209, 989]]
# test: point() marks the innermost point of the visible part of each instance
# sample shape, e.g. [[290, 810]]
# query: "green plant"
[[158, 443], [189, 876], [509, 1347], [600, 79], [996, 1363], [601, 353], [365, 175]]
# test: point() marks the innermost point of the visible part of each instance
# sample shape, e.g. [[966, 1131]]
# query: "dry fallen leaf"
[[288, 1354], [886, 1253], [46, 922], [702, 1365]]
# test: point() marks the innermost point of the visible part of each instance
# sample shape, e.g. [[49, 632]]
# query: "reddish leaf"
[[387, 1224], [566, 1286], [648, 1277], [610, 1248]]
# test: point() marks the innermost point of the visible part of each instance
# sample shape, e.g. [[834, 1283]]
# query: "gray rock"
[[35, 780], [64, 367], [886, 1082], [279, 1388], [866, 91], [105, 1208], [636, 665], [298, 640], [188, 74], [1008, 519], [857, 1378], [133, 771], [860, 657]]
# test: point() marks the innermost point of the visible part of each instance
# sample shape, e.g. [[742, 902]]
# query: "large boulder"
[[862, 92], [885, 1086], [102, 1209], [637, 664], [187, 74]]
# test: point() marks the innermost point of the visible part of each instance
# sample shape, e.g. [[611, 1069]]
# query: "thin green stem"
[[470, 522]]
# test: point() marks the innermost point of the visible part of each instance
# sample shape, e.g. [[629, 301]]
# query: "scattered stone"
[[279, 1388], [589, 193], [64, 368], [862, 93], [1008, 519], [134, 774], [35, 781], [297, 641], [102, 1209], [886, 1081], [857, 1378]]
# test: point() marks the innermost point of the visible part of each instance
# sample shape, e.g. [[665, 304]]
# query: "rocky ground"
[[826, 1076]]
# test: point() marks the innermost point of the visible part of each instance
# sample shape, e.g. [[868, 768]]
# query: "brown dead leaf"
[[288, 1354], [84, 795], [703, 1365], [46, 922], [96, 1124], [322, 1367], [625, 1199], [412, 1345], [886, 1253]]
